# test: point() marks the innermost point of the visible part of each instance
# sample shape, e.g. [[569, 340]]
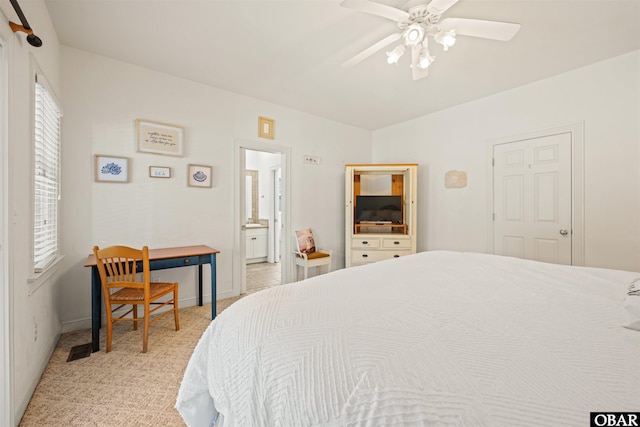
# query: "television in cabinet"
[[380, 212]]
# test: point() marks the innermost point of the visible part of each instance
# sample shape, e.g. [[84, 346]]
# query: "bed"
[[436, 338]]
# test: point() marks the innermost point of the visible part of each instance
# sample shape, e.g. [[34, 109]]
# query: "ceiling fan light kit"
[[413, 35], [425, 58], [445, 38], [395, 54], [417, 21]]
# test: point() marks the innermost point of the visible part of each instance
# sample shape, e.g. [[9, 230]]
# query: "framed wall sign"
[[455, 179], [199, 176], [159, 138], [111, 168], [266, 128], [159, 172]]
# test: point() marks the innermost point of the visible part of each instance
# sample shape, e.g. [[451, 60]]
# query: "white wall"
[[605, 96], [31, 302], [103, 98]]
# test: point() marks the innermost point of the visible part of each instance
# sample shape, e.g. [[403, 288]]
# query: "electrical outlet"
[[155, 279], [311, 160], [35, 329]]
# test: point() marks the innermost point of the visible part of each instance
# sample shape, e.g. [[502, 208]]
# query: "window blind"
[[46, 179]]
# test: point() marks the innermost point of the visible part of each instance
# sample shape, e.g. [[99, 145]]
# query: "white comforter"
[[437, 338]]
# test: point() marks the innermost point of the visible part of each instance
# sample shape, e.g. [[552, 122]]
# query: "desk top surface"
[[165, 253]]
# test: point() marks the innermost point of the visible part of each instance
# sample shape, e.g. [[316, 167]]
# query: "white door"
[[532, 198]]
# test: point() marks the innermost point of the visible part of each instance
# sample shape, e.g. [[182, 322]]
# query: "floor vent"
[[79, 352]]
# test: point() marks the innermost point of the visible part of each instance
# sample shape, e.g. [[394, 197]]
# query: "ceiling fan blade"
[[503, 31], [372, 49], [438, 7], [417, 73], [376, 9]]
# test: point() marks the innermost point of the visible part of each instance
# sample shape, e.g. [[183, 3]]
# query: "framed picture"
[[111, 168], [159, 172], [159, 138], [199, 176], [266, 128]]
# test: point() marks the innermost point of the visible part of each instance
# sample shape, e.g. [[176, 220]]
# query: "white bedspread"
[[437, 338]]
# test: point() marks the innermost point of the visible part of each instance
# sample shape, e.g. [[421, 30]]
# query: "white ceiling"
[[289, 52]]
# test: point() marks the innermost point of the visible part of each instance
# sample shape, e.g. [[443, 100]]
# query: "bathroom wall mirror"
[[251, 192]]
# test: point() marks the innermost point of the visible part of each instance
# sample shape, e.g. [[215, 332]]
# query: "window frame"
[[44, 268]]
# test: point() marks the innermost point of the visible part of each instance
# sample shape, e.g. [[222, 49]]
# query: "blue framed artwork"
[[111, 169]]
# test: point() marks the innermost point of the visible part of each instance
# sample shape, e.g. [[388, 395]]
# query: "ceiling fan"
[[418, 20]]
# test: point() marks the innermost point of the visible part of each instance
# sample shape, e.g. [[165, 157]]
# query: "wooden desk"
[[159, 259]]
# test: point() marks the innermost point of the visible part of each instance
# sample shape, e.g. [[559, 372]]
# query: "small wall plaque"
[[455, 179], [159, 172]]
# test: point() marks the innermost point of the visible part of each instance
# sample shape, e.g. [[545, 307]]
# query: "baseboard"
[[226, 294], [85, 323], [76, 325]]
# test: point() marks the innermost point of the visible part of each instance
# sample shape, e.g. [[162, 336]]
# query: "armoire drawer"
[[363, 257], [363, 242], [396, 243]]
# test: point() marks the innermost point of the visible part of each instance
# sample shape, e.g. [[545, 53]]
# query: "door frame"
[[577, 183], [239, 279], [6, 306], [275, 249]]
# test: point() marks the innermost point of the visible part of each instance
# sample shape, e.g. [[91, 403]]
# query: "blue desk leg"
[[213, 286], [200, 285], [96, 309]]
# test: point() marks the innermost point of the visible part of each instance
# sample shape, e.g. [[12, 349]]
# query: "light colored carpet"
[[124, 387]]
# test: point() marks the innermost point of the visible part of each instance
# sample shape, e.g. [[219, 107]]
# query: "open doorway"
[[262, 264], [261, 220]]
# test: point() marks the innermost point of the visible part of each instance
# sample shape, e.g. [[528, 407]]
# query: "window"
[[46, 178]]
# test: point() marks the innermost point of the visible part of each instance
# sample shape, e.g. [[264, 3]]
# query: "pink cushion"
[[305, 242]]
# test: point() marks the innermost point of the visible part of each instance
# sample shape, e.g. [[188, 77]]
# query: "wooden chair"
[[119, 268], [307, 256]]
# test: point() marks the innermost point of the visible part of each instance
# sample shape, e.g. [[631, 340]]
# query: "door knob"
[[564, 231]]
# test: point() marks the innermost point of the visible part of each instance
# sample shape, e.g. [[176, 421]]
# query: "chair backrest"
[[118, 267], [304, 241]]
